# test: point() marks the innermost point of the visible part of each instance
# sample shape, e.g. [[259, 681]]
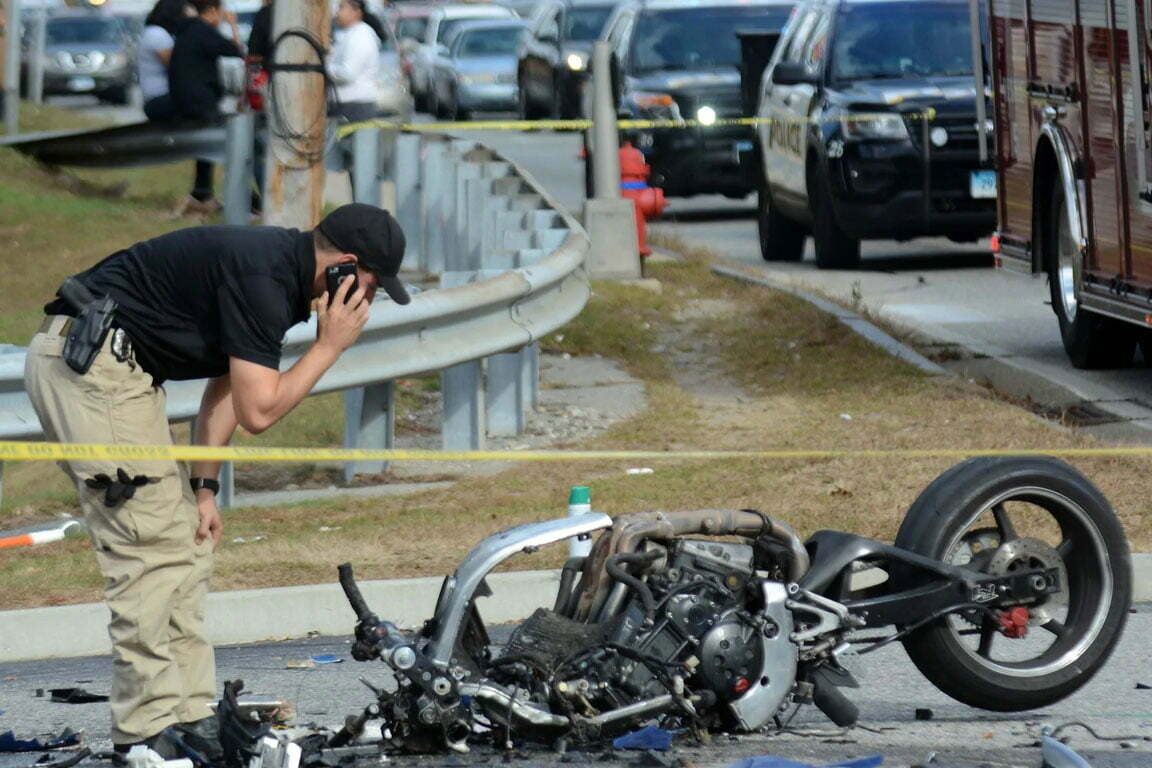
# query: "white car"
[[440, 23]]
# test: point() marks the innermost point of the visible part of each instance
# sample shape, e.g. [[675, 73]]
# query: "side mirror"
[[441, 49], [793, 73]]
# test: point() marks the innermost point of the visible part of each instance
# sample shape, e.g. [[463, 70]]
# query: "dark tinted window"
[[698, 38], [488, 42], [896, 40], [585, 22], [412, 27], [67, 31]]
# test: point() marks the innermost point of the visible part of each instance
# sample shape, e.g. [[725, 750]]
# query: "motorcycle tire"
[[1097, 580]]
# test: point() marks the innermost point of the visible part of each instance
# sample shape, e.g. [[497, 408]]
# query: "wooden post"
[[10, 65], [294, 182]]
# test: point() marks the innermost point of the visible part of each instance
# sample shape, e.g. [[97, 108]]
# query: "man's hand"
[[210, 522], [340, 323]]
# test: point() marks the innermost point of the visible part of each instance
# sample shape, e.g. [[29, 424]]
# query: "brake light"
[[995, 242]]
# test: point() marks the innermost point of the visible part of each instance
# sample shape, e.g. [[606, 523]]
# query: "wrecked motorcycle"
[[1008, 584]]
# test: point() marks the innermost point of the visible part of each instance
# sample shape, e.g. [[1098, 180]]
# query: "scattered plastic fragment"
[[846, 416], [9, 742], [248, 539], [305, 664], [327, 658], [923, 714], [75, 696], [1143, 687], [326, 528], [67, 762], [648, 737], [1058, 755], [768, 761], [639, 471]]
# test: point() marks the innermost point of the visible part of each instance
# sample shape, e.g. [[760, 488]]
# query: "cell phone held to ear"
[[335, 274]]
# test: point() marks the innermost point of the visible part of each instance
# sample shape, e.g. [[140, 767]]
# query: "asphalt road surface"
[[891, 691]]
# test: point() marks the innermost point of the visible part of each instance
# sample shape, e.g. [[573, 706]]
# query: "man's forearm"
[[215, 424]]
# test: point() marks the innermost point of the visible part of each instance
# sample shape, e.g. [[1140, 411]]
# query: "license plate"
[[81, 84], [982, 184], [743, 146]]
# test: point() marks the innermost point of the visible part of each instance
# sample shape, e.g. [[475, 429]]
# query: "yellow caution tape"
[[628, 124], [39, 451]]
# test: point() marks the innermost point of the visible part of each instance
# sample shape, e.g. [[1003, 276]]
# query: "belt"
[[56, 325], [59, 325]]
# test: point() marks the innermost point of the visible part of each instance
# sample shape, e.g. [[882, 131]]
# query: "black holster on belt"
[[90, 327]]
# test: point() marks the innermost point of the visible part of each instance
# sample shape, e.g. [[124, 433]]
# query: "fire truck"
[[1070, 80]]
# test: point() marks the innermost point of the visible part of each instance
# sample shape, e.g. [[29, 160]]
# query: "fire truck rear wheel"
[[781, 239], [1091, 341]]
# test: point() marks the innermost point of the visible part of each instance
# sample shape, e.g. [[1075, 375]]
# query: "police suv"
[[871, 130]]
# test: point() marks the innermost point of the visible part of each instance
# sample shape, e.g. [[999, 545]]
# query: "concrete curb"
[[846, 316], [256, 615]]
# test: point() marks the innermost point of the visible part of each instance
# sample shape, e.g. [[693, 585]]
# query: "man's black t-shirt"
[[260, 38], [191, 299], [193, 80]]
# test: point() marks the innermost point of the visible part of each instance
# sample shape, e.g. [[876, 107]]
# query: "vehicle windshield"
[[899, 40], [68, 31], [698, 38], [489, 42], [412, 27], [585, 22]]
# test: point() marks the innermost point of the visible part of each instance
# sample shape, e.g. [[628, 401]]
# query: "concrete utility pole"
[[610, 219], [294, 186], [11, 66]]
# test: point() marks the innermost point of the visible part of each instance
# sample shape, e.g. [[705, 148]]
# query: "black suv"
[[553, 66], [871, 130], [680, 59]]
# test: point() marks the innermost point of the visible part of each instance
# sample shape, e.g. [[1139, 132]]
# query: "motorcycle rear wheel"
[[999, 514]]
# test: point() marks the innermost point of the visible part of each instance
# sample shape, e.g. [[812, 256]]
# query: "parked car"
[[409, 23], [477, 73], [523, 8], [848, 154], [394, 98], [553, 57], [87, 52], [441, 20], [679, 59]]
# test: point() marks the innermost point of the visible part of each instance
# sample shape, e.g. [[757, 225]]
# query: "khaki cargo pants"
[[155, 575]]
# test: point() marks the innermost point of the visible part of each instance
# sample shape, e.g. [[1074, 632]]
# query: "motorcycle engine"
[[709, 633]]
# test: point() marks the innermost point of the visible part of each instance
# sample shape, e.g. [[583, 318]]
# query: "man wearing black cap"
[[205, 302]]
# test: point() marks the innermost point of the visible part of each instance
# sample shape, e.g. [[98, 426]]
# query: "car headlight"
[[478, 78], [877, 125], [115, 61], [657, 105], [576, 61], [706, 115]]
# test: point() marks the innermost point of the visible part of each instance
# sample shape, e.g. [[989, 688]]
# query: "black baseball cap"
[[374, 237]]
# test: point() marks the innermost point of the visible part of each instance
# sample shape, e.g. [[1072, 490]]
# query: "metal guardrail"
[[511, 267]]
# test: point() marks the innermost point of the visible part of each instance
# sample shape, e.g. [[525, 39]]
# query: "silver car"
[[477, 72], [90, 53]]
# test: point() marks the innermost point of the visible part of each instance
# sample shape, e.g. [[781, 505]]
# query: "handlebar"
[[352, 592]]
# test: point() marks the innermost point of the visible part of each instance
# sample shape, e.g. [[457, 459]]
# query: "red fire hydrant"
[[649, 201]]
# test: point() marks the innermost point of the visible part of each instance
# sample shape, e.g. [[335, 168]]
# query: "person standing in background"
[[194, 84], [154, 53], [354, 66]]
